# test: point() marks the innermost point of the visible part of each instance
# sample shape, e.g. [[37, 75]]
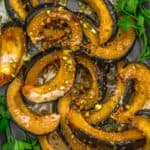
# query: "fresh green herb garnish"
[[136, 16], [4, 115], [12, 143]]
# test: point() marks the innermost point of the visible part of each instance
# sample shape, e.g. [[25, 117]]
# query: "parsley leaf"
[[146, 13], [3, 125], [120, 5], [131, 6], [135, 10], [4, 115], [125, 23]]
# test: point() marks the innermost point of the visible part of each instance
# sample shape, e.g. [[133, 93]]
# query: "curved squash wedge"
[[109, 106], [90, 33], [63, 109], [12, 50], [35, 124], [112, 100], [47, 15], [17, 9], [55, 88], [135, 71], [81, 127], [116, 49], [107, 28], [92, 95]]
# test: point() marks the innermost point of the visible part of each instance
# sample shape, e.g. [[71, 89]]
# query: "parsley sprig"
[[135, 10], [12, 143]]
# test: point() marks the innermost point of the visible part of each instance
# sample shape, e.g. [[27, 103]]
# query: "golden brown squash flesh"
[[87, 98], [63, 108], [77, 121], [111, 102], [26, 119], [12, 49], [18, 7], [117, 48], [90, 33], [141, 75], [37, 26], [55, 88], [106, 21], [109, 106]]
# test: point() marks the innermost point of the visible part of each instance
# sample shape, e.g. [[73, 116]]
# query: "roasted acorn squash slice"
[[107, 28], [144, 112], [82, 128], [12, 50], [88, 97], [109, 106], [111, 51], [23, 116], [17, 9], [55, 88], [41, 20], [141, 75], [63, 109], [111, 99], [116, 49]]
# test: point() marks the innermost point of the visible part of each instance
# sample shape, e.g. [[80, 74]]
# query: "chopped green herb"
[[135, 10]]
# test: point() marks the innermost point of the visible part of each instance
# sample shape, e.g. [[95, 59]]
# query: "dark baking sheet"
[[74, 6]]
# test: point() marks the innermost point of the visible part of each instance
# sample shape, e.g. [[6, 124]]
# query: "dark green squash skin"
[[129, 91], [37, 10], [11, 24], [92, 17], [114, 18], [100, 73], [110, 80], [13, 15], [144, 112], [87, 139]]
